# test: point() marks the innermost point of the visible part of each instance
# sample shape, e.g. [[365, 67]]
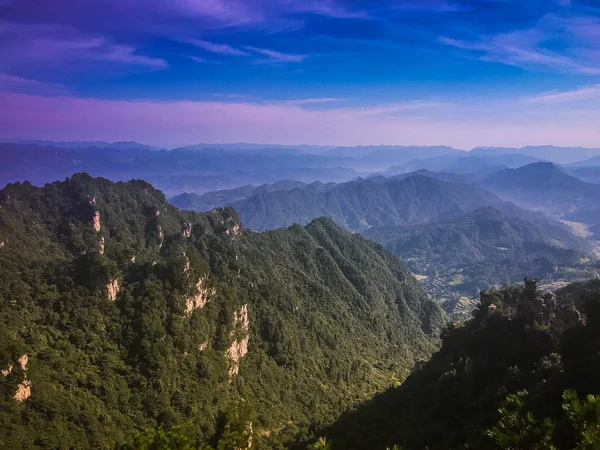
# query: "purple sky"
[[462, 73]]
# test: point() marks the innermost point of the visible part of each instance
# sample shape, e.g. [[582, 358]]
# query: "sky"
[[335, 72]]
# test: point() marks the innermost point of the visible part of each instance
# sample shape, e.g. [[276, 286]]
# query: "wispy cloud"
[[221, 13], [581, 94], [557, 42], [313, 101], [233, 96], [13, 83], [327, 8], [197, 59], [22, 45], [214, 47], [275, 56], [278, 14]]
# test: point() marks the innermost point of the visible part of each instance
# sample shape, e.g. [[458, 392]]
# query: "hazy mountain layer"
[[362, 204], [210, 200], [486, 247], [545, 187]]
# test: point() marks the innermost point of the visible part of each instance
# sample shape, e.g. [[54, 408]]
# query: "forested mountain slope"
[[210, 200], [361, 204], [522, 374], [119, 312], [486, 247]]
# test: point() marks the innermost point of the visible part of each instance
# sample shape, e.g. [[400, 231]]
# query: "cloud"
[[233, 96], [274, 56], [228, 50], [174, 123], [13, 83], [197, 59], [561, 43], [327, 8], [270, 14], [213, 47], [581, 94], [23, 45], [312, 101]]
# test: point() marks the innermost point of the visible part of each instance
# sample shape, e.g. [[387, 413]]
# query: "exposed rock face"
[[24, 387], [186, 266], [201, 298], [23, 360], [235, 230], [101, 245], [239, 347], [97, 221], [161, 237], [187, 230], [23, 391], [203, 346], [112, 288], [1, 244]]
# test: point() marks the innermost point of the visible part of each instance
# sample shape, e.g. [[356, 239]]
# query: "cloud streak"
[[13, 83], [581, 94], [222, 49], [275, 56], [182, 122], [557, 42], [32, 45]]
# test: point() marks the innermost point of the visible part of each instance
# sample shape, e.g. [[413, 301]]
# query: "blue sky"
[[463, 72]]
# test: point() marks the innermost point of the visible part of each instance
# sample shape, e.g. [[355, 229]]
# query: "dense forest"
[[522, 374], [120, 313]]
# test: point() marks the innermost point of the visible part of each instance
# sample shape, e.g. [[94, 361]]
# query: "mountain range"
[[362, 204], [546, 187], [121, 313], [127, 322]]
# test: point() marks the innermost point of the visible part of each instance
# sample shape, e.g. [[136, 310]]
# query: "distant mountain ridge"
[[173, 171], [362, 204], [560, 155], [468, 163], [210, 200], [121, 145], [544, 185]]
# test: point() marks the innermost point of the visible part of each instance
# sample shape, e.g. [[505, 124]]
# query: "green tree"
[[584, 418], [321, 444], [518, 429]]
